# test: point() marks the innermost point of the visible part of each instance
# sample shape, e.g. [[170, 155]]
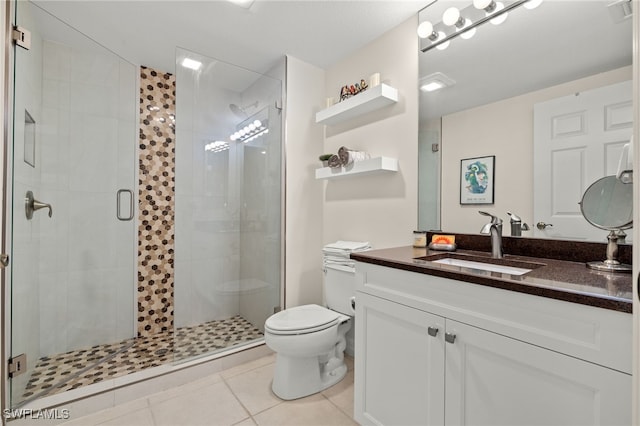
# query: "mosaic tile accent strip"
[[156, 202], [137, 354]]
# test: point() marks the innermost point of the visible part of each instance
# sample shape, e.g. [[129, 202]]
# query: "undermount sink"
[[487, 264], [483, 266]]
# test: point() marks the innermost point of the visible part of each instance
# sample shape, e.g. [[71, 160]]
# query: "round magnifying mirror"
[[608, 204]]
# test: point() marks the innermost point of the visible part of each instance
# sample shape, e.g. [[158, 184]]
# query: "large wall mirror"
[[535, 92]]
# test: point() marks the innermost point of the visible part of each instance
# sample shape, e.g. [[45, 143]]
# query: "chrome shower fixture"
[[241, 111]]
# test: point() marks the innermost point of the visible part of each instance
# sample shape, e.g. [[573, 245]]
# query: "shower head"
[[242, 111]]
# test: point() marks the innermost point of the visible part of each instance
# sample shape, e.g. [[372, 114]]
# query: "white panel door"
[[495, 380], [399, 372], [577, 140]]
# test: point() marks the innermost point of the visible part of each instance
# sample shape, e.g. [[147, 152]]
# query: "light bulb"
[[425, 29], [500, 19], [451, 16], [532, 4], [486, 5], [467, 34], [257, 123], [252, 127], [443, 45]]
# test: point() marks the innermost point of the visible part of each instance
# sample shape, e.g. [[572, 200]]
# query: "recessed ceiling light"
[[191, 64], [242, 3], [435, 81]]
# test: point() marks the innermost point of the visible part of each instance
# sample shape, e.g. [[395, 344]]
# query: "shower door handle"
[[118, 203], [31, 205]]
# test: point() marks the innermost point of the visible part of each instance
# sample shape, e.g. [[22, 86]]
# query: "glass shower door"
[[228, 205], [72, 275]]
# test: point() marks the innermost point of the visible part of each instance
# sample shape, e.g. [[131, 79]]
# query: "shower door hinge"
[[22, 37], [17, 365], [278, 105]]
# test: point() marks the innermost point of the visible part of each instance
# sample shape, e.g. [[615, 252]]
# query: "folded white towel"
[[337, 258], [347, 246], [349, 263]]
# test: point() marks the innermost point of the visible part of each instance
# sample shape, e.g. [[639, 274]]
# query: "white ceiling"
[[560, 41], [320, 32]]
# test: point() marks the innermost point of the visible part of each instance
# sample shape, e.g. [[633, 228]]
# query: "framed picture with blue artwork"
[[477, 177]]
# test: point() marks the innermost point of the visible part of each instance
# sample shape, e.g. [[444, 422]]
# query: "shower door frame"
[[5, 38]]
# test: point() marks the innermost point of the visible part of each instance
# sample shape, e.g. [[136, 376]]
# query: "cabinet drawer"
[[596, 335]]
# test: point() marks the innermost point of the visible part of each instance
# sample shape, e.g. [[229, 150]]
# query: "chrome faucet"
[[495, 229], [516, 225]]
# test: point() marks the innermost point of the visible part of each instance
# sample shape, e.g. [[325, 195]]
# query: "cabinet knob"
[[449, 337], [433, 331]]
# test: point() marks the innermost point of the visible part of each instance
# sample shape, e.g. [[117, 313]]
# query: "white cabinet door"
[[399, 371], [496, 380]]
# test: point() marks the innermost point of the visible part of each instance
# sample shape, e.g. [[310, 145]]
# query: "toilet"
[[309, 340]]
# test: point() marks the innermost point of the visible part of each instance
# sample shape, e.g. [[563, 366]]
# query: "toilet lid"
[[302, 318]]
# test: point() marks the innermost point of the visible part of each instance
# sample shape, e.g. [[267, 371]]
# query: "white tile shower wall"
[[87, 259]]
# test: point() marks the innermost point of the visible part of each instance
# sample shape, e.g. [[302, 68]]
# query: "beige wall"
[[380, 208], [503, 129], [303, 230]]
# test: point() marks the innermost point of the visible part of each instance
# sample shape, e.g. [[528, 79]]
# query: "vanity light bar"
[[217, 146], [440, 28], [251, 131]]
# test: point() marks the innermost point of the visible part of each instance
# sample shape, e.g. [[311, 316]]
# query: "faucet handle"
[[514, 217], [494, 219]]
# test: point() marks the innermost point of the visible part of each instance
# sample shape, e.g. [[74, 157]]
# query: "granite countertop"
[[557, 279]]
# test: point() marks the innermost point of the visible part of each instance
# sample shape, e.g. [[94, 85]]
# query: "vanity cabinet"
[[422, 359], [400, 377]]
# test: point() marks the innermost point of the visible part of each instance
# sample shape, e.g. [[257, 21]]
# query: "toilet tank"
[[339, 288]]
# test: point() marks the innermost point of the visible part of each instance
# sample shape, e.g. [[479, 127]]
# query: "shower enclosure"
[[80, 301]]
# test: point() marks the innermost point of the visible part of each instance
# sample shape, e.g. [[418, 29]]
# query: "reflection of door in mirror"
[[578, 139]]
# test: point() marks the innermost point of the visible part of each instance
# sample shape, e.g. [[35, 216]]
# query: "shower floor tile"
[[74, 369]]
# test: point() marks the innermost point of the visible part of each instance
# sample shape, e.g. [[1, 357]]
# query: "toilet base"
[[299, 377]]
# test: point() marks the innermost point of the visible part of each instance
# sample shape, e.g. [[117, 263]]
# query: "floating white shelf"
[[362, 103], [371, 165]]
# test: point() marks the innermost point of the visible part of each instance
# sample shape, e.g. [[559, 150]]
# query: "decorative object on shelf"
[[325, 159], [348, 91], [330, 102], [334, 162], [348, 156], [374, 79], [463, 22], [372, 165], [370, 100], [477, 176]]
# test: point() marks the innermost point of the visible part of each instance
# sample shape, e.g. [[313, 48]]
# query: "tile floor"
[[238, 396]]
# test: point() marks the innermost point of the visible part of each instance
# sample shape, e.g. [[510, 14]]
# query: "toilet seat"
[[302, 320]]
